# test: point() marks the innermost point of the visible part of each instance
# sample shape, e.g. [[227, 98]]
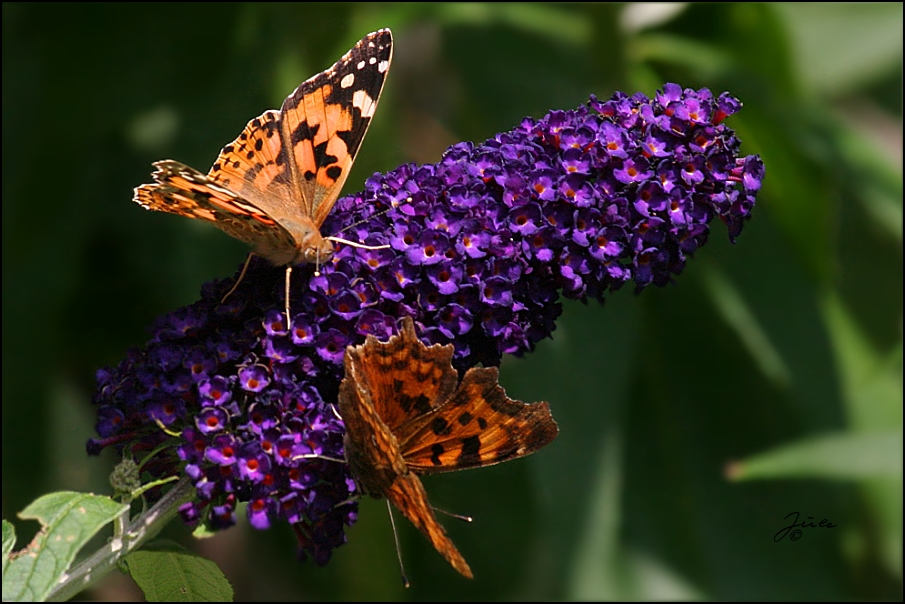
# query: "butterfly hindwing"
[[408, 495]]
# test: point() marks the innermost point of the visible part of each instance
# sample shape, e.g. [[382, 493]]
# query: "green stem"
[[143, 528]]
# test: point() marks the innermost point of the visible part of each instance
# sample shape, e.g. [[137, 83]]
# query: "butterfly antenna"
[[358, 245], [316, 456], [363, 220], [393, 204], [451, 515], [239, 280], [405, 579], [288, 275]]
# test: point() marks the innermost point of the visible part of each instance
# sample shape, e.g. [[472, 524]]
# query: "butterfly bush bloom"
[[481, 246]]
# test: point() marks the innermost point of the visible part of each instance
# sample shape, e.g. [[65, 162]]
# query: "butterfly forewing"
[[478, 426], [326, 118]]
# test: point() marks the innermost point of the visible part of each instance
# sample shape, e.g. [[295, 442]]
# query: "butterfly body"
[[406, 413], [274, 185]]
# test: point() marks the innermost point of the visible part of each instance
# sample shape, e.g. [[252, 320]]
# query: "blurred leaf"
[[837, 456], [707, 60], [735, 312], [545, 20], [874, 177], [842, 45], [872, 382]]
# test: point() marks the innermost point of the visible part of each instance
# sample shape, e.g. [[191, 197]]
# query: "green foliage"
[[68, 521], [779, 357], [167, 572]]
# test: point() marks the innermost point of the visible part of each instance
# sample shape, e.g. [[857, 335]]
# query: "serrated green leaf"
[[839, 456], [68, 521], [9, 541], [166, 572]]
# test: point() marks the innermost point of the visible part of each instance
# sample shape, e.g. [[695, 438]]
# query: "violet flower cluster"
[[481, 245]]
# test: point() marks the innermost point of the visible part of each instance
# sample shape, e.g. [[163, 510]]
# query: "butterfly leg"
[[288, 275], [239, 280]]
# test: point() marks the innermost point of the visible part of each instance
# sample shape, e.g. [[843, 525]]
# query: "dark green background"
[[783, 352]]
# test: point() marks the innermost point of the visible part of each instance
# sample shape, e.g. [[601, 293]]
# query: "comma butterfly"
[[274, 185], [406, 413]]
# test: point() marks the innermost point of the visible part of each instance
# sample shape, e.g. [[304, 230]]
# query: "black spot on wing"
[[436, 451], [421, 404], [471, 451], [440, 426]]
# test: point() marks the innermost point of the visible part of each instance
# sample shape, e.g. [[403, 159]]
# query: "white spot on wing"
[[360, 65], [384, 65], [363, 102], [372, 60], [347, 80]]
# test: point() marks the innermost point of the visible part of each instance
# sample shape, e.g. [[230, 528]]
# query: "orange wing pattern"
[[405, 415], [274, 185]]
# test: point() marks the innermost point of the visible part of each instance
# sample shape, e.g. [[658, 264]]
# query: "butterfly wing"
[[408, 495], [179, 189], [404, 378], [478, 426], [324, 121], [255, 166]]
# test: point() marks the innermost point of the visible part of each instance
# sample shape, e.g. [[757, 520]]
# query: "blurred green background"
[[776, 361]]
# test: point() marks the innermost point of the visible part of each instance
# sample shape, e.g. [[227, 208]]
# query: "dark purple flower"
[[482, 244]]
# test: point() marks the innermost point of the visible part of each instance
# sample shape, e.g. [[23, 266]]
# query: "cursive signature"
[[794, 529]]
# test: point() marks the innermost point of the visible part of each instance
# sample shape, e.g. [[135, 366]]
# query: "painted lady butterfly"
[[274, 185]]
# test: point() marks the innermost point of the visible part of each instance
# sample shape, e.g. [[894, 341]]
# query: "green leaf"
[[9, 541], [68, 520], [166, 572], [837, 456]]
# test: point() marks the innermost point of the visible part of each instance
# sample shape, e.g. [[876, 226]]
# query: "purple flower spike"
[[481, 245]]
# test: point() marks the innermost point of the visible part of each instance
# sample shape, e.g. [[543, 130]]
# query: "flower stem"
[[137, 532]]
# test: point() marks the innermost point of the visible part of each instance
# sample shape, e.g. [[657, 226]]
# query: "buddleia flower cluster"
[[481, 245]]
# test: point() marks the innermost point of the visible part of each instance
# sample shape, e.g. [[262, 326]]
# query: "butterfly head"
[[316, 252]]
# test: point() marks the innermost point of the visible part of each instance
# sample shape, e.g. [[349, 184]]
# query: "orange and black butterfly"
[[407, 413], [274, 185]]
